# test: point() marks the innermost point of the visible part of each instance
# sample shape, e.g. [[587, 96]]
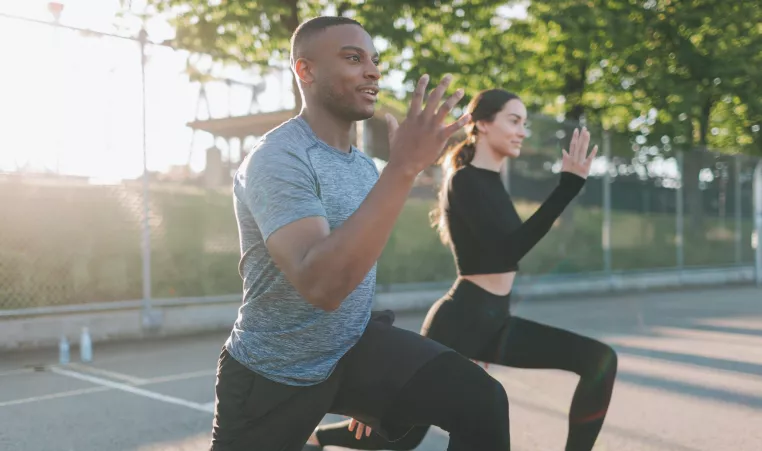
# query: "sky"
[[73, 104]]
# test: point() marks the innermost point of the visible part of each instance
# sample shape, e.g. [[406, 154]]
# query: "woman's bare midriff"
[[499, 284]]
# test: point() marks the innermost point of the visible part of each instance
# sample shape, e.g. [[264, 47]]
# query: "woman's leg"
[[528, 344]]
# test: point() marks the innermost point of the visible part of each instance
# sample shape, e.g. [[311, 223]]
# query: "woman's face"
[[506, 133]]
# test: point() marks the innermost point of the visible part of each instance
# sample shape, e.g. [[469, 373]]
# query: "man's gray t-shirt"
[[290, 175]]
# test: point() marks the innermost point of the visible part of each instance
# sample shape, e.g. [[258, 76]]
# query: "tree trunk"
[[693, 164], [694, 208], [343, 8], [573, 91]]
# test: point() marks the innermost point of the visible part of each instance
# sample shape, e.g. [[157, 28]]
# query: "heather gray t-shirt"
[[291, 175]]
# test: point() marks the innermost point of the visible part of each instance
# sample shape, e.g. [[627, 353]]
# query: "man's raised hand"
[[418, 141]]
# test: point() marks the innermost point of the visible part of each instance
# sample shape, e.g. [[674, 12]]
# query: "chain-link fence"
[[642, 209], [105, 194], [108, 197]]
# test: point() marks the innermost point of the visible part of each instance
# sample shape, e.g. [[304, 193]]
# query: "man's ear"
[[304, 69]]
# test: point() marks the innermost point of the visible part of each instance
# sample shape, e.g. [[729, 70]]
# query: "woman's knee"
[[601, 362], [608, 360]]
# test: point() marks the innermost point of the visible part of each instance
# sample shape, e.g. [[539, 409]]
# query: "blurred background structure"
[[122, 123]]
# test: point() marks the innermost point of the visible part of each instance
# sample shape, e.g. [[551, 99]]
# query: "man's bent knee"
[[498, 420], [487, 422]]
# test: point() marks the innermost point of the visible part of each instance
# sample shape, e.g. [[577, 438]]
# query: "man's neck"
[[328, 128]]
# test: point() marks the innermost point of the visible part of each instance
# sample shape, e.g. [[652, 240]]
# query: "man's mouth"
[[370, 93]]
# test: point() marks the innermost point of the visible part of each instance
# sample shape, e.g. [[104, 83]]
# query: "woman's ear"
[[481, 127]]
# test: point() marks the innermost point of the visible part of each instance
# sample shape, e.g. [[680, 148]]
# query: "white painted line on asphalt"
[[178, 377], [65, 394], [107, 373], [210, 406], [131, 389]]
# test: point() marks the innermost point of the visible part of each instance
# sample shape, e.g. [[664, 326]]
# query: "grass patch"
[[64, 244]]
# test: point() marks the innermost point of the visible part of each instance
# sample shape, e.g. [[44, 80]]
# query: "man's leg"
[[252, 412], [398, 380], [460, 397]]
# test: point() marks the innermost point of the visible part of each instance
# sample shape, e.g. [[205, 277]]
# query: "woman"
[[477, 220]]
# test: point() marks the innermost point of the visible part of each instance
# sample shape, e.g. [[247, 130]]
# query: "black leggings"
[[475, 323], [471, 415]]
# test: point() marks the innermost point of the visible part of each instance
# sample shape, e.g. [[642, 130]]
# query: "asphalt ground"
[[690, 378]]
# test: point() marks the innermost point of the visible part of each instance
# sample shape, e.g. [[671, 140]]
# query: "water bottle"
[[85, 346], [63, 351]]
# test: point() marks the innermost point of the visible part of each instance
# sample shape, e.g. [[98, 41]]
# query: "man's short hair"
[[309, 28]]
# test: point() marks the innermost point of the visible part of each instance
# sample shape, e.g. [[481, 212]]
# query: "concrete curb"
[[553, 287]]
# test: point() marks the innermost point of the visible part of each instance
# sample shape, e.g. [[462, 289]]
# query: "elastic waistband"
[[468, 291]]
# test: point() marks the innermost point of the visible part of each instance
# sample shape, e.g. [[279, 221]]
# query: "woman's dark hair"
[[483, 107]]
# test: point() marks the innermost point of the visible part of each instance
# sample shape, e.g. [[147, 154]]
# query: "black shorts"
[[253, 412]]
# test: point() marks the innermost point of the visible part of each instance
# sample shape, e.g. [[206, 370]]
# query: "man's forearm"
[[336, 265]]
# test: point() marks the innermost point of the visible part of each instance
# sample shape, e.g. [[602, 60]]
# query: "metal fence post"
[[738, 204], [758, 221], [150, 320], [679, 210], [606, 226]]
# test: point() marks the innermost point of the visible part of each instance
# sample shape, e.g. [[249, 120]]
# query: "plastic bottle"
[[85, 346], [63, 350]]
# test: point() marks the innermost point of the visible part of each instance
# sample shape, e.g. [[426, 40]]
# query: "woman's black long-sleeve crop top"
[[487, 235]]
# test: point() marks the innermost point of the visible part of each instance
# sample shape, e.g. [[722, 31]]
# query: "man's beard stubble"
[[340, 105]]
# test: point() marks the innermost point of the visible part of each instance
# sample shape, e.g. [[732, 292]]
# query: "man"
[[314, 216]]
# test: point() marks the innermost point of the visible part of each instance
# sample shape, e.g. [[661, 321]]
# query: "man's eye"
[[355, 57]]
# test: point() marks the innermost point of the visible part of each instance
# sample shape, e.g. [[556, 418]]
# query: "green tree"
[[256, 33], [691, 69]]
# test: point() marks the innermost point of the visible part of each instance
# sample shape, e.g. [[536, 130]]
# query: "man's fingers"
[[457, 125], [392, 125], [420, 89], [436, 96], [449, 104], [367, 431], [352, 424]]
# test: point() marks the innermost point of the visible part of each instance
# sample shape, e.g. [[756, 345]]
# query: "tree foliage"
[[684, 70]]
